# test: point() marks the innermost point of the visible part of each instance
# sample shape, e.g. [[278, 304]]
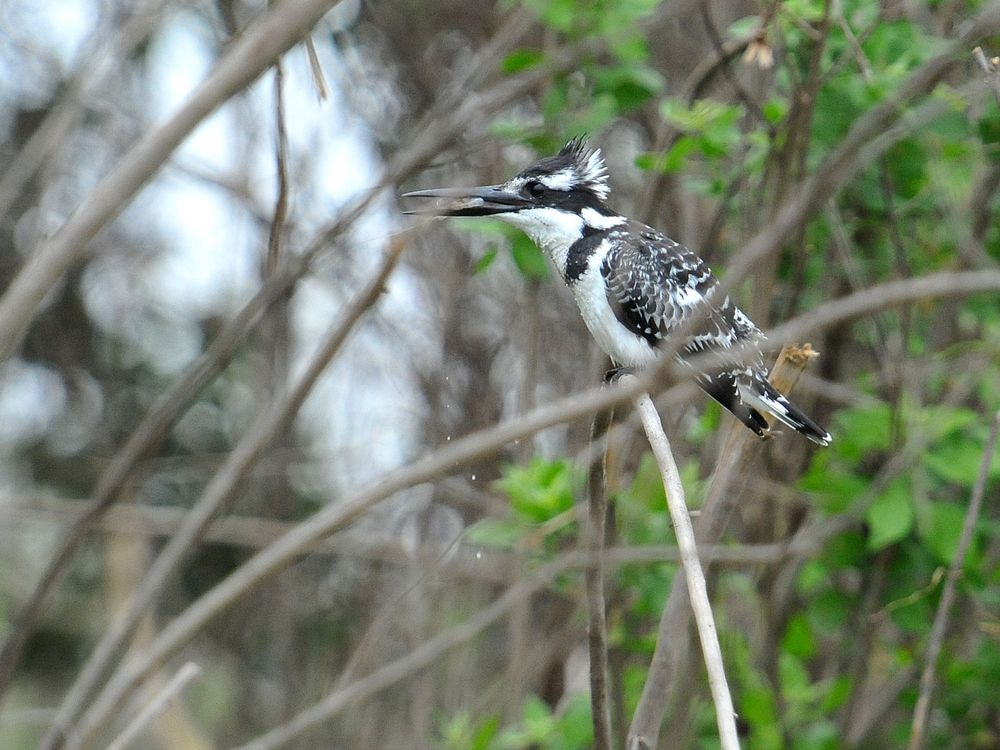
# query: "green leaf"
[[485, 261], [956, 461], [703, 115], [906, 162], [483, 736], [890, 516], [575, 728], [559, 14], [989, 129], [530, 261], [829, 610], [840, 690], [630, 85], [939, 526], [775, 110], [633, 49], [941, 421], [798, 639], [743, 27], [496, 532], [460, 733], [793, 674], [864, 430], [807, 10], [675, 159], [813, 576], [831, 485], [845, 550], [539, 491], [647, 486], [759, 710], [521, 59]]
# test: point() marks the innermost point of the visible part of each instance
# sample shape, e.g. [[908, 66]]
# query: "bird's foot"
[[615, 374]]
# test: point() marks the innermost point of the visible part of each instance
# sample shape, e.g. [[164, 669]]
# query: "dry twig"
[[694, 578], [668, 666], [277, 30], [269, 423], [597, 627], [190, 671], [440, 127], [458, 453], [940, 626], [990, 68]]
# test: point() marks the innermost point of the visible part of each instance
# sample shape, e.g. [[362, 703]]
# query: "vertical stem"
[[669, 666], [694, 576], [922, 710], [597, 628]]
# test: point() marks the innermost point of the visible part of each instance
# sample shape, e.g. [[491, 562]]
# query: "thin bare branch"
[[269, 424], [106, 48], [255, 533], [429, 137], [458, 453], [670, 656], [694, 578], [990, 68], [597, 626], [430, 652], [178, 683], [267, 39], [939, 628]]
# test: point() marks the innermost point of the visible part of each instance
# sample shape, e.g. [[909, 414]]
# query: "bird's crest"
[[577, 166]]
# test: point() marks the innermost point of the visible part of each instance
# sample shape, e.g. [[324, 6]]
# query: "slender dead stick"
[[277, 556], [430, 136], [597, 626], [155, 707], [670, 660], [268, 38], [269, 423], [936, 640], [990, 68], [694, 576]]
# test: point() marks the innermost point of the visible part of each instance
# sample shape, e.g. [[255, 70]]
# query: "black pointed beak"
[[475, 201]]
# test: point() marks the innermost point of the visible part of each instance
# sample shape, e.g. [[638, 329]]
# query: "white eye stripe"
[[561, 180], [598, 220]]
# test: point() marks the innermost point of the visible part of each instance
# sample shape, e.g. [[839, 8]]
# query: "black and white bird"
[[635, 287]]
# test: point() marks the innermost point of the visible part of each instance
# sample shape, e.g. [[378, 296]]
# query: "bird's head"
[[554, 200]]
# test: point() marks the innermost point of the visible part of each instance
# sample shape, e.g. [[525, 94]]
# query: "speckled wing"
[[656, 285]]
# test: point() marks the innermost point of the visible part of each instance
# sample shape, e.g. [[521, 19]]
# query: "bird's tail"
[[766, 397]]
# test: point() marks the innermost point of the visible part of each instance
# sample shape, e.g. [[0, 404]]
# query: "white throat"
[[554, 231], [549, 228]]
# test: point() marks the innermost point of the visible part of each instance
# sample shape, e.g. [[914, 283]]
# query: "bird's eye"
[[535, 188]]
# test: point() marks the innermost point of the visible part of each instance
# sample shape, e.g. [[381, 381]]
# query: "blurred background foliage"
[[710, 115]]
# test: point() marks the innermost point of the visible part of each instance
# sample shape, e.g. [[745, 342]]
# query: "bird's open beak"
[[474, 201]]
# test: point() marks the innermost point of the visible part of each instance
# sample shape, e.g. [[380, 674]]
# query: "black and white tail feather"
[[634, 286]]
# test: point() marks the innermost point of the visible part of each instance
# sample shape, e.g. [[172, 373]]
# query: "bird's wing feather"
[[656, 285]]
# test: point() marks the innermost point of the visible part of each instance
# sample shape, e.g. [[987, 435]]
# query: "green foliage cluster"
[[538, 728], [903, 462]]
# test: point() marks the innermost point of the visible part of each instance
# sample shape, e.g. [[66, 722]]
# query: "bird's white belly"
[[619, 343]]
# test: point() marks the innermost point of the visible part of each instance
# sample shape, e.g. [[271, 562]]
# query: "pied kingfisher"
[[635, 287]]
